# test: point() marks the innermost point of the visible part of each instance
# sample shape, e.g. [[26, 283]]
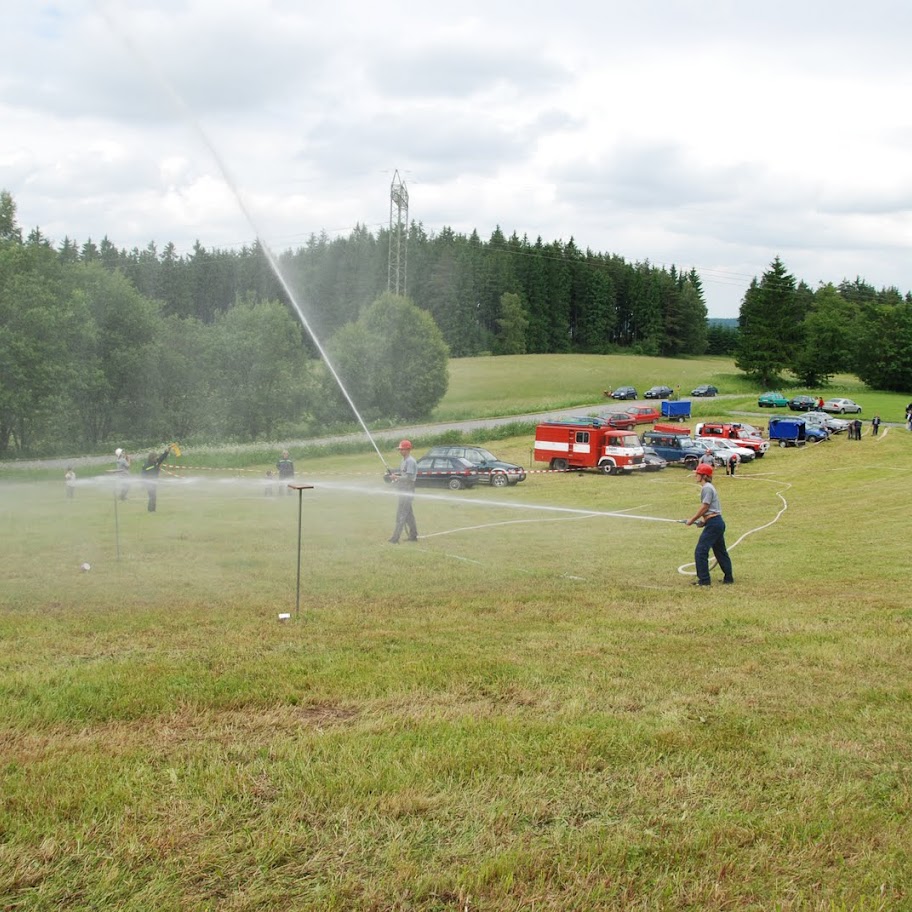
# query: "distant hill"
[[727, 322]]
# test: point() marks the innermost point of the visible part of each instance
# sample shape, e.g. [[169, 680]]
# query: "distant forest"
[[571, 300], [100, 344]]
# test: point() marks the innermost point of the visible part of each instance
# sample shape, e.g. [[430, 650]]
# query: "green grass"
[[516, 384], [529, 709]]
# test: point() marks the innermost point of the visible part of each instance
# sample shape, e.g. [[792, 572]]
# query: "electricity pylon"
[[398, 237]]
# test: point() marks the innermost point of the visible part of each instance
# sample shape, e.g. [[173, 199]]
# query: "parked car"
[[841, 406], [831, 423], [643, 414], [625, 392], [452, 472], [620, 420], [733, 431], [705, 389], [802, 403], [654, 462], [659, 392], [752, 430], [490, 469], [772, 400], [717, 444], [674, 447]]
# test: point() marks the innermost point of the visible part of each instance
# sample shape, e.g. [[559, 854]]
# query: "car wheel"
[[499, 480], [559, 465], [455, 484], [842, 411], [690, 462], [782, 443]]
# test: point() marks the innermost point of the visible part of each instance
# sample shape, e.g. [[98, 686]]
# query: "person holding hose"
[[404, 480], [709, 517], [122, 471], [285, 468], [150, 470]]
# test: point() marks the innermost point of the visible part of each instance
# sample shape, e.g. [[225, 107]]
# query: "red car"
[[643, 414], [620, 420]]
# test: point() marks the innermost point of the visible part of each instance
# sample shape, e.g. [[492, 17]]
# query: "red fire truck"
[[587, 443]]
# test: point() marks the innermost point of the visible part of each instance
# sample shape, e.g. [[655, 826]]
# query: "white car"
[[841, 406], [829, 422], [720, 446]]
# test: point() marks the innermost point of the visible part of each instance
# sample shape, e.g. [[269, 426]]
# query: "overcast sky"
[[709, 134]]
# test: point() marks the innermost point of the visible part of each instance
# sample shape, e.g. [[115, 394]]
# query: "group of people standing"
[[855, 427]]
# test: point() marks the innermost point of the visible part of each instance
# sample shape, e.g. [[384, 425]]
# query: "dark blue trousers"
[[712, 538]]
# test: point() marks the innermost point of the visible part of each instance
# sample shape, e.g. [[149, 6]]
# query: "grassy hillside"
[[530, 708], [516, 384]]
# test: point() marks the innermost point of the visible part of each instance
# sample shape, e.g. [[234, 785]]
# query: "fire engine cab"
[[734, 432], [588, 443]]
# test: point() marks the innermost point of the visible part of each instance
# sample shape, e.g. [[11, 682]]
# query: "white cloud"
[[712, 135]]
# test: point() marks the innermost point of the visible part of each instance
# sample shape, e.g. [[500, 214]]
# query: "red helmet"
[[405, 444], [704, 469]]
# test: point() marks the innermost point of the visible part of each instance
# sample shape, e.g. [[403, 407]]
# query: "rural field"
[[530, 708]]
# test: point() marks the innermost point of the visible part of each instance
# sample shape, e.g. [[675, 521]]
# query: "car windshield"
[[479, 456]]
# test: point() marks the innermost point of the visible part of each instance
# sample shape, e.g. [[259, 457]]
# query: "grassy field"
[[516, 384], [528, 709]]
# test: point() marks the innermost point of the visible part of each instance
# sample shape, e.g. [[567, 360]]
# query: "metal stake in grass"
[[300, 488], [116, 525]]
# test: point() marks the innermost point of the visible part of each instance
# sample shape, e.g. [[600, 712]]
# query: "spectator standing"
[[875, 425], [286, 472], [857, 424], [69, 480]]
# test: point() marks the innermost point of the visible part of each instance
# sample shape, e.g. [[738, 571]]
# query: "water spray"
[[187, 114]]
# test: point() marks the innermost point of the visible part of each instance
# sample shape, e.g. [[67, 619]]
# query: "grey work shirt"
[[710, 497], [408, 472]]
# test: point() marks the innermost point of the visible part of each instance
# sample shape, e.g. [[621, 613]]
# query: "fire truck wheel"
[[608, 469], [559, 465]]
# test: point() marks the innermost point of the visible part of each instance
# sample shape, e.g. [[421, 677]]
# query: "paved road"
[[385, 439]]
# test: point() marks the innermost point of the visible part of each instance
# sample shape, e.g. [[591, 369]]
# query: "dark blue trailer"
[[676, 409], [788, 431]]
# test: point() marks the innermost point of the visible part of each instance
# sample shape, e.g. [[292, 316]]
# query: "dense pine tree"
[[767, 324]]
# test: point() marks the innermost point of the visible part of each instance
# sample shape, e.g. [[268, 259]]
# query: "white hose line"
[[516, 522], [683, 568]]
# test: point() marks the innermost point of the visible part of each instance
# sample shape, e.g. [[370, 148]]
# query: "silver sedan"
[[841, 406]]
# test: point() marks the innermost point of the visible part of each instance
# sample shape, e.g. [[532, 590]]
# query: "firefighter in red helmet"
[[712, 538], [404, 479]]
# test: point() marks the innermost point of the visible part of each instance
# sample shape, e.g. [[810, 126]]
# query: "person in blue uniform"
[[712, 538]]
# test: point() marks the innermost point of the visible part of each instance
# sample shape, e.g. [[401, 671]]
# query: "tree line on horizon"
[[101, 345]]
